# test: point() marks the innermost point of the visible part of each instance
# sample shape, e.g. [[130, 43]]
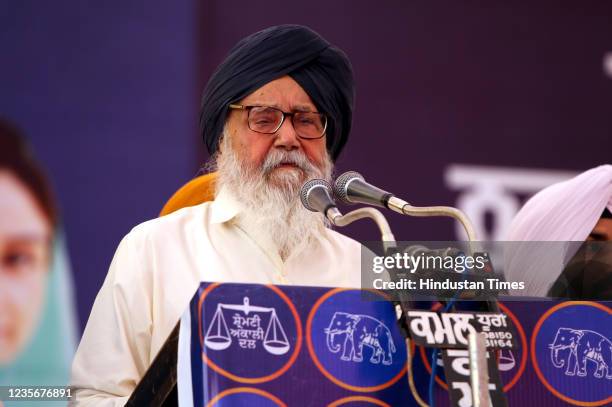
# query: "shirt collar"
[[225, 207]]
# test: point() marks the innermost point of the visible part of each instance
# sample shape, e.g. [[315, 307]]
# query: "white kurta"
[[156, 271]]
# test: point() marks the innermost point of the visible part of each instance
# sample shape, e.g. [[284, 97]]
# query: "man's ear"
[[220, 147], [222, 140]]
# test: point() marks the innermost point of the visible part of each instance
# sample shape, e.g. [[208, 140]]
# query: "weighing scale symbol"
[[506, 360], [218, 334]]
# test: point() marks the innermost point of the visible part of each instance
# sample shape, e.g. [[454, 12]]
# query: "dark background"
[[108, 94]]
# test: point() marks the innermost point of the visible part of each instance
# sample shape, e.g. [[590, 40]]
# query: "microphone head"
[[341, 185], [306, 194]]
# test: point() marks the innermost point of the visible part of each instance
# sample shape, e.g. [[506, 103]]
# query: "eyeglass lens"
[[267, 120]]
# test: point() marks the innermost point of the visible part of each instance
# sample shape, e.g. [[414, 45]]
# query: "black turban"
[[321, 69]]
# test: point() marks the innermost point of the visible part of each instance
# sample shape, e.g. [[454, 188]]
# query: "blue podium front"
[[258, 345]]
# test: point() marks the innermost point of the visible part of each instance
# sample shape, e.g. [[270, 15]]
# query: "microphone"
[[316, 196], [352, 188]]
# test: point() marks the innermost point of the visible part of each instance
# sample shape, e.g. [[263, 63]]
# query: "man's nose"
[[286, 136]]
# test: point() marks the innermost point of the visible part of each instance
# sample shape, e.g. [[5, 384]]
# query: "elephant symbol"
[[582, 346], [357, 331]]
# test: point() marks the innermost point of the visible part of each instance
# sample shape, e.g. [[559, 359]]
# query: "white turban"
[[563, 212]]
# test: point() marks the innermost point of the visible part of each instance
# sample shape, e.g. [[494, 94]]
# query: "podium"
[[257, 345]]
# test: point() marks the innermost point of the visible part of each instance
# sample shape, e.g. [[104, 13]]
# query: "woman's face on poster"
[[25, 236]]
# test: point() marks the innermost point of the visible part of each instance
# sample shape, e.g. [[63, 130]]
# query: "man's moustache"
[[300, 162]]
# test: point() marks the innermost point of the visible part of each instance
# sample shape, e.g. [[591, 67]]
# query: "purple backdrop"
[[106, 94]]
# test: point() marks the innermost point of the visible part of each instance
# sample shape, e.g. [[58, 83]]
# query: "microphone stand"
[[389, 243], [334, 215], [351, 188], [477, 349], [403, 207]]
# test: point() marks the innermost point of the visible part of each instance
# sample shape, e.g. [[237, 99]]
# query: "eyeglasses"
[[267, 120]]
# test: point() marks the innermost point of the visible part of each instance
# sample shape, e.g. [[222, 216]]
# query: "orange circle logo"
[[218, 336], [362, 399], [226, 394], [571, 348], [364, 343]]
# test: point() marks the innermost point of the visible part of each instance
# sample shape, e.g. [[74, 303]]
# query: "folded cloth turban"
[[563, 212], [321, 69]]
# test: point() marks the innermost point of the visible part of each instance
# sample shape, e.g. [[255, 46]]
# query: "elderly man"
[[275, 114]]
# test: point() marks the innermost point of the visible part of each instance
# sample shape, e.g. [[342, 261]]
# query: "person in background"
[[37, 321], [574, 211]]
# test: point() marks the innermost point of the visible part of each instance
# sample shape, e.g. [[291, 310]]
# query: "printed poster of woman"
[[37, 316]]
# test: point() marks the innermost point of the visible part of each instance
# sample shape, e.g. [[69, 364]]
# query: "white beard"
[[271, 196]]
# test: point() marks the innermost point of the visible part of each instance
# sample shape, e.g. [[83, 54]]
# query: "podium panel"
[[256, 345], [268, 345]]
